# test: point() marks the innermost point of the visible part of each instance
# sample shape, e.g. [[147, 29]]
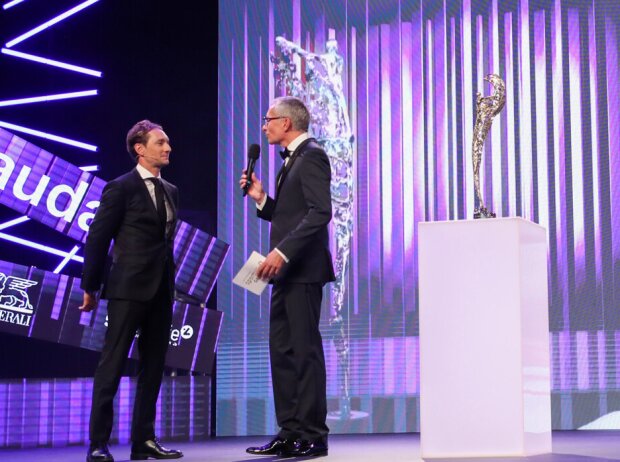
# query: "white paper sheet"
[[246, 277]]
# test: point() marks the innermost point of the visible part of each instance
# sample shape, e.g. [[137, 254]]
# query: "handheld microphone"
[[253, 155]]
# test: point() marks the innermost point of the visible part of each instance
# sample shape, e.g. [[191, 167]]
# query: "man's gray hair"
[[294, 109]]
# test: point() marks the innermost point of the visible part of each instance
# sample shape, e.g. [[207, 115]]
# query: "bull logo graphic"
[[13, 294]]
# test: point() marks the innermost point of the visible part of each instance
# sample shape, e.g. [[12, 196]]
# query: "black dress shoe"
[[305, 448], [152, 448], [99, 452], [275, 446]]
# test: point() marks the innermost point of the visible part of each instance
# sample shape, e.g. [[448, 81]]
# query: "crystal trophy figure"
[[322, 90]]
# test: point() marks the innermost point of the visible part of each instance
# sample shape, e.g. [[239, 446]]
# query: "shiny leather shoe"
[[305, 448], [152, 448], [274, 447], [99, 452]]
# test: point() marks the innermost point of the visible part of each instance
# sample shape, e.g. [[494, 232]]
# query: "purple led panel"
[[64, 197], [43, 305], [411, 72], [55, 412]]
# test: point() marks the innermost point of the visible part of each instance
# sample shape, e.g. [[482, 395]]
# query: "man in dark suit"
[[299, 264], [138, 212]]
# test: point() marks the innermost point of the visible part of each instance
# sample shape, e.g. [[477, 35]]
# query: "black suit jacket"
[[142, 251], [300, 214]]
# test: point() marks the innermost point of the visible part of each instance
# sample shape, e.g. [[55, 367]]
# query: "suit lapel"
[[168, 192], [289, 165], [144, 191]]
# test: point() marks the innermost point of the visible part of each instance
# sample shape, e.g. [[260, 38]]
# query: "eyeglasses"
[[269, 119]]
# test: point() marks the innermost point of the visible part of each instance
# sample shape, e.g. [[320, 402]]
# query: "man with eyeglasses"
[[138, 213], [299, 264]]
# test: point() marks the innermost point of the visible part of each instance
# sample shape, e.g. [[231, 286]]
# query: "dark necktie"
[[159, 200]]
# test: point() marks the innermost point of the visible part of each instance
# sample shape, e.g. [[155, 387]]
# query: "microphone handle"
[[249, 170]]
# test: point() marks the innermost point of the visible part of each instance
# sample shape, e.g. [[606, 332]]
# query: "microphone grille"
[[254, 151]]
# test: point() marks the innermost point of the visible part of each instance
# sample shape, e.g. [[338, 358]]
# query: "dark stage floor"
[[574, 446]]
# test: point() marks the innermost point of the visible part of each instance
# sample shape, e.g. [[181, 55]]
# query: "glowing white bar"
[[14, 222], [468, 113], [407, 139], [48, 136], [51, 62], [576, 146], [48, 98], [510, 117], [453, 108], [90, 168], [525, 104], [386, 142], [496, 127], [51, 22], [431, 121], [6, 6], [540, 66], [43, 248], [595, 147], [481, 83], [66, 260]]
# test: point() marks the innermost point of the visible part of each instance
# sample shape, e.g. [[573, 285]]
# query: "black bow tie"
[[284, 154]]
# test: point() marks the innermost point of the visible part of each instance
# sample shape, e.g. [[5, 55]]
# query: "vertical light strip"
[[409, 174], [386, 142], [510, 116], [525, 106], [481, 69], [418, 121], [540, 74], [454, 105], [440, 78], [242, 413], [481, 85], [354, 259], [594, 124], [496, 127], [577, 173], [468, 107], [559, 174], [431, 127]]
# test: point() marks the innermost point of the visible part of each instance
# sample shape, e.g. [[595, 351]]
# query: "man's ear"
[[288, 125], [139, 148]]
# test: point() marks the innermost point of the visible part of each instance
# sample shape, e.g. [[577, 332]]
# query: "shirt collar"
[[144, 173], [297, 141]]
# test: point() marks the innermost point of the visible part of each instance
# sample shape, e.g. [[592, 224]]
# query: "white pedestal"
[[484, 339]]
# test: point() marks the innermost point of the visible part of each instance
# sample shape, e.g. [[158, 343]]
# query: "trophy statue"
[[487, 107]]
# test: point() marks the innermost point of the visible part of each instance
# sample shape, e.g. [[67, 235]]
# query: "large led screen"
[[400, 78]]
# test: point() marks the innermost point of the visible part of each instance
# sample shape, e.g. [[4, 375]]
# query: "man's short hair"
[[139, 133], [294, 109]]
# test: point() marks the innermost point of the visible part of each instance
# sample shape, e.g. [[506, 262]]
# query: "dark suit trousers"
[[297, 360], [153, 318]]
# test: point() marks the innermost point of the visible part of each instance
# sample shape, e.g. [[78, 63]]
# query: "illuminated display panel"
[[411, 73]]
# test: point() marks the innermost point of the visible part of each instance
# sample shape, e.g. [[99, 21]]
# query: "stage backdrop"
[[411, 70]]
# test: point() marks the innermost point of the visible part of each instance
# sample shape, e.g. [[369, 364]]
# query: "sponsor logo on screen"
[[15, 306]]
